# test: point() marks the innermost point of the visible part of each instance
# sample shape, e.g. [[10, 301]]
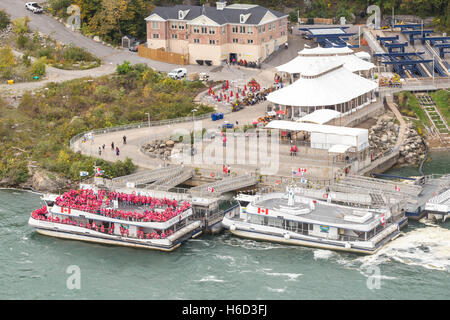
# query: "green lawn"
[[442, 100]]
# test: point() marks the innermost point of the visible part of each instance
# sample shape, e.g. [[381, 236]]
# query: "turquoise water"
[[33, 266]]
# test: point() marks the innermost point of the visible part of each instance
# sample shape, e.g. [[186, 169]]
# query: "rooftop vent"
[[220, 5]]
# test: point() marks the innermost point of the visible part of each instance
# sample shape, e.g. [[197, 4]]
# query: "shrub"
[[38, 67], [124, 68], [21, 25], [4, 19]]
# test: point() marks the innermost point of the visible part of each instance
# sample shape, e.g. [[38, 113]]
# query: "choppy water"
[[415, 266]]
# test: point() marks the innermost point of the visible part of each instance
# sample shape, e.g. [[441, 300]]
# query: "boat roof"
[[322, 212]]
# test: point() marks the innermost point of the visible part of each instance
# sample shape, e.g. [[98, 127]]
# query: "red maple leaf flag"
[[397, 188], [65, 210]]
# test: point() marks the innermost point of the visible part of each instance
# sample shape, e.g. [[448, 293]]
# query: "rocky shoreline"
[[383, 137]]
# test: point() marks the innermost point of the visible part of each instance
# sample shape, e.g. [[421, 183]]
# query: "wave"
[[323, 254], [291, 276], [279, 290], [427, 247], [209, 279]]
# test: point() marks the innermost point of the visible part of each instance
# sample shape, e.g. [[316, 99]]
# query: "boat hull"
[[111, 240]]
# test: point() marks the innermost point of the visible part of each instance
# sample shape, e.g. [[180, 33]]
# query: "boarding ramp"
[[177, 176], [225, 185], [383, 186], [144, 177]]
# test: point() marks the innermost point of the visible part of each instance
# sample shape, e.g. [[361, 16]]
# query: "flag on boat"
[[84, 173], [397, 188], [262, 210], [65, 210], [383, 219], [210, 189]]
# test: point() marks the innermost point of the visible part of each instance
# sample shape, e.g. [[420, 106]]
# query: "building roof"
[[320, 128], [325, 51], [338, 85], [320, 116], [230, 14]]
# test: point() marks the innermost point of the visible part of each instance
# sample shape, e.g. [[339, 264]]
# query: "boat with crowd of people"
[[290, 218], [116, 218]]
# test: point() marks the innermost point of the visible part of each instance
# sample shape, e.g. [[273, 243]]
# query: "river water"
[[33, 266]]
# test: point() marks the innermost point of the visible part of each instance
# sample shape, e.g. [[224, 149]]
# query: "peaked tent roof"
[[320, 116], [227, 15], [336, 86]]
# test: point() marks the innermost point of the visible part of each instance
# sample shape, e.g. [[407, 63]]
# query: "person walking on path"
[[99, 151], [124, 140], [117, 151], [112, 146]]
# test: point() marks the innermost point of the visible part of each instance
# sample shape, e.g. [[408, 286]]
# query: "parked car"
[[33, 7], [177, 73], [135, 45]]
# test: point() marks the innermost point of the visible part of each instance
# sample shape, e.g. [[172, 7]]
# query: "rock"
[[96, 39], [170, 143], [162, 145], [384, 138]]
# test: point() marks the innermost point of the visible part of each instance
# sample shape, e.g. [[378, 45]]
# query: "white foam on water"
[[276, 290], [291, 276], [428, 247], [218, 256], [323, 254], [210, 279]]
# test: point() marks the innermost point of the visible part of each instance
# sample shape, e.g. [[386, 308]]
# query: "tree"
[[4, 19], [7, 62], [21, 25], [38, 67]]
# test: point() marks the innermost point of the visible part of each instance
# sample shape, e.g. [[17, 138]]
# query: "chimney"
[[220, 5]]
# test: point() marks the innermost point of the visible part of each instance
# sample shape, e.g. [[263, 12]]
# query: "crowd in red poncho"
[[42, 214], [87, 200]]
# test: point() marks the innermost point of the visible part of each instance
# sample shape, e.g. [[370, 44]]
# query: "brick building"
[[238, 31]]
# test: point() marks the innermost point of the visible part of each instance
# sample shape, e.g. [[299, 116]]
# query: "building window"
[[212, 31], [212, 42], [259, 29], [195, 29], [242, 29], [204, 30], [270, 37], [174, 25], [264, 28], [235, 40], [181, 26], [174, 36], [234, 29], [196, 40], [273, 26], [249, 30], [282, 33], [223, 30], [270, 27], [155, 36], [262, 40], [250, 41], [155, 24]]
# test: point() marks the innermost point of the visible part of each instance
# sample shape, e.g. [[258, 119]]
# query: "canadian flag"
[[261, 210], [65, 210], [302, 170], [210, 189], [383, 219], [397, 188]]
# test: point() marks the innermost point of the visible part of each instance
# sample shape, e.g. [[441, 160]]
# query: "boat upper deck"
[[316, 211]]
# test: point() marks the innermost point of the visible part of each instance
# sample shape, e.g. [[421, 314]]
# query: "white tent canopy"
[[325, 51], [337, 85], [338, 148], [326, 137], [304, 63], [320, 116]]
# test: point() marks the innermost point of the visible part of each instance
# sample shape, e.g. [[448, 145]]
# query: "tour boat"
[[299, 220], [115, 218]]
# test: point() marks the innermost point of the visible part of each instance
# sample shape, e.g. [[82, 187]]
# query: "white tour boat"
[[116, 218], [298, 220]]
